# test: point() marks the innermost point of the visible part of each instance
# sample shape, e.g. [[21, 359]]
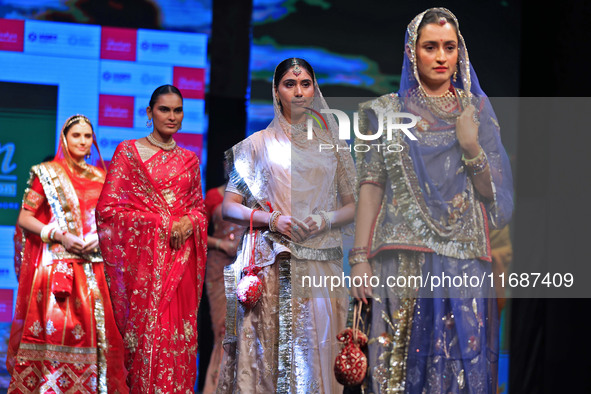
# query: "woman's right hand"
[[72, 243], [364, 272], [284, 225]]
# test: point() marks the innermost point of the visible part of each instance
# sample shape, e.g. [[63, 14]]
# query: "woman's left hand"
[[299, 230], [180, 232], [467, 130], [316, 224]]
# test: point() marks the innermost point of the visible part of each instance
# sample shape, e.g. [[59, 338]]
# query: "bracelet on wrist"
[[45, 233], [478, 157], [326, 219], [218, 243], [273, 219], [480, 168], [48, 233], [52, 234], [476, 165], [357, 258], [358, 249]]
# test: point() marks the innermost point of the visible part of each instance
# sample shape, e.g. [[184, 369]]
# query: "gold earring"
[[455, 76]]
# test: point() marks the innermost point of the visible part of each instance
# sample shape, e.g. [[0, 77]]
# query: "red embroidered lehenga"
[[155, 290], [59, 342]]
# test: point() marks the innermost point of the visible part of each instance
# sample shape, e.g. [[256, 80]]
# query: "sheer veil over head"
[[248, 161], [409, 79], [63, 151]]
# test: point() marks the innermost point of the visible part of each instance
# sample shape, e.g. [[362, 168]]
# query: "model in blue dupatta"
[[426, 212]]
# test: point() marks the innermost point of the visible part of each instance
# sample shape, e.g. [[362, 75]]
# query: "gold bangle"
[[273, 219], [357, 258], [358, 250], [473, 160]]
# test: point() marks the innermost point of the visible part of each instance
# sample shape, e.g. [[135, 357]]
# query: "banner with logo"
[[52, 70]]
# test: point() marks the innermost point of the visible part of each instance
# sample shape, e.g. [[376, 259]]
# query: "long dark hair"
[[164, 89]]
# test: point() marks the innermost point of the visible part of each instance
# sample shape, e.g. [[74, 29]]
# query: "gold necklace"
[[163, 145], [440, 106]]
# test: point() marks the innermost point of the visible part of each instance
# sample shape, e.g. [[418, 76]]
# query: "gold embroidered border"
[[99, 316], [59, 192], [231, 304], [284, 373], [303, 252], [64, 354], [452, 241], [64, 205], [32, 198]]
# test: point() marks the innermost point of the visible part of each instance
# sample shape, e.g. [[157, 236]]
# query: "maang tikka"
[[297, 70]]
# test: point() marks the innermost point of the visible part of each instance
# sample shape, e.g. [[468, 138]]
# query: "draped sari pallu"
[[287, 341], [433, 222], [155, 290], [63, 338]]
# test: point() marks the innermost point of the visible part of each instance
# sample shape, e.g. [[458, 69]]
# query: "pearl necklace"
[[163, 145]]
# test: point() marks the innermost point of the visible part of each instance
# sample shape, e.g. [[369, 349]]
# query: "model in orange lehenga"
[[64, 337]]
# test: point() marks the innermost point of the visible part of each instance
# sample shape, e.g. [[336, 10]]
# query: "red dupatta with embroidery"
[[155, 290]]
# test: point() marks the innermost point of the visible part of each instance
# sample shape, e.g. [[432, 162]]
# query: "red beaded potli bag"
[[350, 366], [250, 287]]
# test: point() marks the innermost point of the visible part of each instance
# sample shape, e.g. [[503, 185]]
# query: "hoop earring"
[[149, 123]]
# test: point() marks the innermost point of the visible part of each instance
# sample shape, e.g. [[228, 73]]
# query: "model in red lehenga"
[[153, 233], [63, 337]]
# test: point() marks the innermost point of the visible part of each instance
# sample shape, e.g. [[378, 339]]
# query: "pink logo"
[[192, 142], [6, 298], [116, 111], [12, 32], [118, 43], [190, 81]]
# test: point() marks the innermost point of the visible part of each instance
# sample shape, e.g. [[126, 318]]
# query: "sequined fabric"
[[406, 219], [433, 222], [155, 290], [68, 343], [422, 342], [287, 342]]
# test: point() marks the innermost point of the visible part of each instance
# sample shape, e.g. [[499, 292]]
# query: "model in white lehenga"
[[287, 341]]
